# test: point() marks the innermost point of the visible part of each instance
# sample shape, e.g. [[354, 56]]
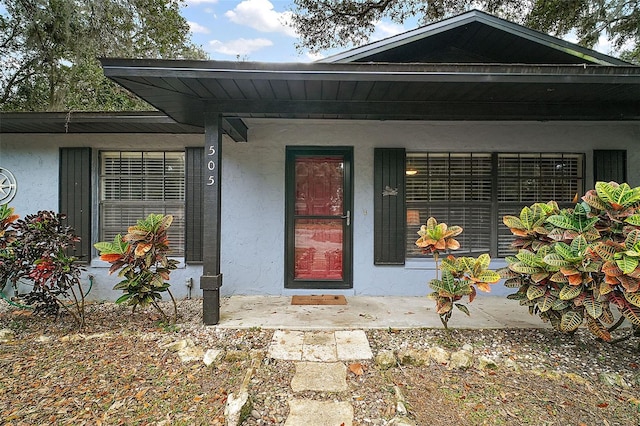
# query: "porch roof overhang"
[[185, 90], [92, 122], [108, 122]]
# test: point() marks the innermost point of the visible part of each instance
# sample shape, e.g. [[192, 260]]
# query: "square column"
[[211, 279]]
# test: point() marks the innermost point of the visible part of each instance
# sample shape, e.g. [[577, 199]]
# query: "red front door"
[[318, 218]]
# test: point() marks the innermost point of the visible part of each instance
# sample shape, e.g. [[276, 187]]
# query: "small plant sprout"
[[460, 276]]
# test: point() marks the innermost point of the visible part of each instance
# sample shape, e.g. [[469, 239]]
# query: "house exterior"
[[314, 178]]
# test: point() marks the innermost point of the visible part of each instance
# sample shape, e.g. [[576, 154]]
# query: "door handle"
[[348, 217]]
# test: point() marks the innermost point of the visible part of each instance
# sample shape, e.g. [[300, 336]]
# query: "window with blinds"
[[474, 190], [455, 188], [524, 179], [135, 184]]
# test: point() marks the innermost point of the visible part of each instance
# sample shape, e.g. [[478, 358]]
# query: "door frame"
[[289, 232]]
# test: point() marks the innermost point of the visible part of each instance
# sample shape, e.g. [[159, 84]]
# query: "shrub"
[[574, 264], [142, 258], [34, 249], [460, 276]]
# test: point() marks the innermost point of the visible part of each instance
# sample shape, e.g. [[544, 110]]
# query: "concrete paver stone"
[[320, 353], [352, 344], [286, 345], [319, 346], [320, 377], [304, 412], [319, 338]]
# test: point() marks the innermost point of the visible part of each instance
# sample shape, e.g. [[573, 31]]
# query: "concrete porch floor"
[[369, 312]]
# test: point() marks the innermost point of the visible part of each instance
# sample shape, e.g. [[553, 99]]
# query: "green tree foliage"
[[49, 50], [325, 24]]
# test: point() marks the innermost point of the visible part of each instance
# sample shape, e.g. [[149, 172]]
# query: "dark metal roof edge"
[[474, 15], [66, 121], [111, 64], [85, 116], [508, 73]]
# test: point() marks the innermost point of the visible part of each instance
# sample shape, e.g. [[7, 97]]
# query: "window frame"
[[164, 205], [496, 208]]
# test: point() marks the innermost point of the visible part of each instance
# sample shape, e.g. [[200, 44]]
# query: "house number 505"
[[211, 165]]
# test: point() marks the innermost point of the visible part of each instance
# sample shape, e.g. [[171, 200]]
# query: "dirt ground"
[[115, 372]]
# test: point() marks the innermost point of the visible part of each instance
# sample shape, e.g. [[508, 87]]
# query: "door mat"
[[323, 299]]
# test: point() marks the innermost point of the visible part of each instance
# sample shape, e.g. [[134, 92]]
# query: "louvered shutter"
[[389, 206], [75, 196], [610, 165]]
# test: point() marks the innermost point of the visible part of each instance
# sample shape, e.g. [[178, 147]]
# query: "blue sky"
[[257, 30], [254, 30]]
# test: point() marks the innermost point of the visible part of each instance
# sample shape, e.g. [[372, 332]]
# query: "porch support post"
[[211, 279]]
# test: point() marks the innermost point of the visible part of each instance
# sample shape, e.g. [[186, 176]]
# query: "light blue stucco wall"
[[253, 186]]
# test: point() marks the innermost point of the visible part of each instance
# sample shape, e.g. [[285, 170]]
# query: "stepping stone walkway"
[[320, 368]]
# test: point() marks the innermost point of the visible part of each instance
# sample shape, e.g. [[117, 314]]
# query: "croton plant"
[[460, 275], [141, 256], [34, 254], [573, 265]]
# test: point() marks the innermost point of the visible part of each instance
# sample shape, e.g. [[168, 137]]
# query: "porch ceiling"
[[381, 91]]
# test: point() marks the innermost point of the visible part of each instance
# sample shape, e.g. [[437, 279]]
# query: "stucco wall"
[[253, 186]]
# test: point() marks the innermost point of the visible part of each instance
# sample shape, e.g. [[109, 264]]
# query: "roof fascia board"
[[466, 18], [232, 126], [90, 117], [501, 74]]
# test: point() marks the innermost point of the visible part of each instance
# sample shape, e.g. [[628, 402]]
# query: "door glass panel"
[[318, 253], [319, 186]]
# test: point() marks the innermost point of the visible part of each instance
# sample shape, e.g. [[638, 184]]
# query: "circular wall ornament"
[[8, 186]]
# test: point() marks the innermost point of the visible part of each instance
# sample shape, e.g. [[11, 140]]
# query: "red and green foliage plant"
[[142, 258], [573, 265], [460, 276], [34, 250]]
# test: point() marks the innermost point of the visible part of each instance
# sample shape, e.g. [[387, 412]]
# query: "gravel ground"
[[541, 377]]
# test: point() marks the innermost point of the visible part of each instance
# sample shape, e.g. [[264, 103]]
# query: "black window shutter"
[[194, 204], [75, 196], [610, 165], [389, 206]]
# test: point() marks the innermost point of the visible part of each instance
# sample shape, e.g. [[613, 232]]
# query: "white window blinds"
[[475, 190], [135, 184]]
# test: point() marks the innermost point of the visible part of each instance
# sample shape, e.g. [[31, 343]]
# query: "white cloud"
[[260, 15], [314, 56], [239, 47], [386, 29], [196, 28]]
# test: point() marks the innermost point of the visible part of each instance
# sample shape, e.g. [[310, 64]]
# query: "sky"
[[258, 30], [255, 30]]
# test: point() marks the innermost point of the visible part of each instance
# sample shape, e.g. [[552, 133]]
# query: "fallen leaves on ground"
[[113, 373], [509, 397], [121, 380], [356, 368]]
